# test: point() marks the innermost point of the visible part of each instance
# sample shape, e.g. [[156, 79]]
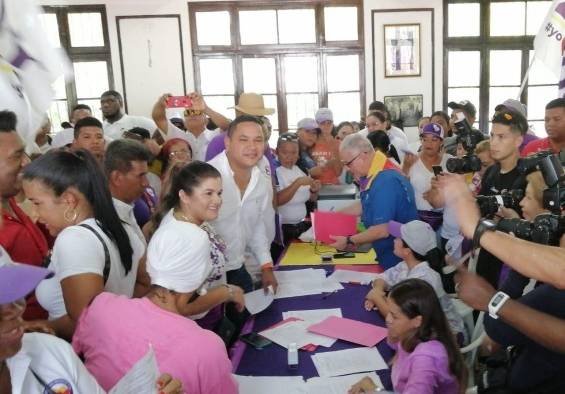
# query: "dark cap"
[[466, 106], [139, 132], [512, 118]]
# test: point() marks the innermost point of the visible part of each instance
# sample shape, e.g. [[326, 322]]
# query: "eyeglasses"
[[348, 163], [192, 112], [288, 137]]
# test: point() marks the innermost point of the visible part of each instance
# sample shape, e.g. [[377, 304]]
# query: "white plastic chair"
[[470, 351]]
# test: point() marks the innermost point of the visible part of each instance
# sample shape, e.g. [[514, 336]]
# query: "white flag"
[[28, 65], [549, 40]]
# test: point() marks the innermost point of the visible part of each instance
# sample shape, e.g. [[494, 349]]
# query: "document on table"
[[296, 331], [350, 330], [344, 362], [257, 301], [338, 384], [313, 315], [346, 276], [141, 378], [270, 384], [303, 282]]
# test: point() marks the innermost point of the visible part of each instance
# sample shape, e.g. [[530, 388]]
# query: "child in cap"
[[294, 190], [416, 244]]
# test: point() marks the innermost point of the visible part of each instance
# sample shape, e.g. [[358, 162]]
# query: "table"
[[272, 360], [305, 253]]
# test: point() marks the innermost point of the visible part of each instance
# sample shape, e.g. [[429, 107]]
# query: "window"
[[82, 32], [489, 47], [289, 51]]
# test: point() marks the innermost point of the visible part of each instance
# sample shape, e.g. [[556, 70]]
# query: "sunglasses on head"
[[288, 137]]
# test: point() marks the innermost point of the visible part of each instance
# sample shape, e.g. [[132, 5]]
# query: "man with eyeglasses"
[[386, 195], [116, 121], [195, 121]]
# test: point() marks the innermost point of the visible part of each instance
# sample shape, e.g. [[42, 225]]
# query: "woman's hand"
[[166, 384], [238, 298], [365, 385], [373, 298]]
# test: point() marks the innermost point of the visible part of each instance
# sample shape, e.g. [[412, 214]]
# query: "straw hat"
[[253, 104]]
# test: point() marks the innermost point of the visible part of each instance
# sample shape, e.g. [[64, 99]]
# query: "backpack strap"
[[106, 272]]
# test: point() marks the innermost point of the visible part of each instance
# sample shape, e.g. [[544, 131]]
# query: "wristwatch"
[[496, 302], [483, 226], [349, 241]]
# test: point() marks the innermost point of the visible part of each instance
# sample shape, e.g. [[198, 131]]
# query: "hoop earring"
[[66, 215]]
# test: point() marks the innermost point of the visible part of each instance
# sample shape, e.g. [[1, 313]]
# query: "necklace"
[[182, 216]]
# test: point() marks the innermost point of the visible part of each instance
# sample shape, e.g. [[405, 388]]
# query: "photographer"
[[468, 110], [508, 128]]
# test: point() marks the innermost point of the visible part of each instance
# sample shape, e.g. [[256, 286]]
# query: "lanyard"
[[46, 387]]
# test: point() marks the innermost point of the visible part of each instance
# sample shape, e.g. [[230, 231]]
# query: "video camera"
[[489, 205], [469, 139], [549, 227]]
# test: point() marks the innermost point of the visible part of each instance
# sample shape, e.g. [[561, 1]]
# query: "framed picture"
[[405, 111], [402, 50]]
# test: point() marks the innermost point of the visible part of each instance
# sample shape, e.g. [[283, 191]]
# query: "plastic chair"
[[470, 351]]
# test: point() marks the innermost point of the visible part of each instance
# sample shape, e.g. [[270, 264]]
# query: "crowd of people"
[[140, 232]]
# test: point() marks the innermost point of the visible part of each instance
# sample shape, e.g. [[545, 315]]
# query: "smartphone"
[[255, 340], [344, 255], [437, 170], [179, 102]]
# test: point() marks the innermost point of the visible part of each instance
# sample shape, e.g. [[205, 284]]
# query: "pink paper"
[[333, 223], [350, 330], [371, 268]]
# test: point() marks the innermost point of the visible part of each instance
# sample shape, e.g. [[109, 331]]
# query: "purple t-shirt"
[[424, 371], [527, 139]]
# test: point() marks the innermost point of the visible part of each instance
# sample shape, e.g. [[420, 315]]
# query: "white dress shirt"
[[127, 122], [198, 144], [241, 222]]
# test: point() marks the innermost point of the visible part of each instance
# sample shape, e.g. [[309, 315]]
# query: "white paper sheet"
[[257, 301], [346, 276], [338, 384], [141, 378], [303, 282], [271, 384], [296, 332], [313, 315], [344, 362]]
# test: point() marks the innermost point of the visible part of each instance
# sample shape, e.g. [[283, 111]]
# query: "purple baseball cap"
[[18, 280], [433, 129]]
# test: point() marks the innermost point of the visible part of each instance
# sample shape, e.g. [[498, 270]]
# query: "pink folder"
[[350, 330], [332, 223]]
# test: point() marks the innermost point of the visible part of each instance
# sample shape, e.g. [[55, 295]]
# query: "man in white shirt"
[[246, 198], [116, 122], [195, 121]]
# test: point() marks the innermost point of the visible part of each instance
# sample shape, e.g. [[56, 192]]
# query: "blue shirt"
[[390, 197]]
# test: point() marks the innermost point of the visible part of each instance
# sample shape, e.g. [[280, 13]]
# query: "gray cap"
[[324, 114], [418, 235], [307, 124], [512, 105]]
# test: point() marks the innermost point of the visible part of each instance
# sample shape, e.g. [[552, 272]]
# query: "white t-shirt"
[[294, 211], [78, 251], [55, 362], [198, 144], [127, 122], [420, 178], [423, 271]]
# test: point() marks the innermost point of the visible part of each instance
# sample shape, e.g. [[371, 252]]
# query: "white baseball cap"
[[418, 235]]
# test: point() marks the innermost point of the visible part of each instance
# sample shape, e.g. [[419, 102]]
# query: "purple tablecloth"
[[272, 360]]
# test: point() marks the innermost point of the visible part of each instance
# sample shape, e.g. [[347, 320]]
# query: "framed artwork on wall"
[[406, 110], [402, 50]]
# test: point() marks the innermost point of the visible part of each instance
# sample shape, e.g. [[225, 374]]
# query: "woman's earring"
[[70, 219]]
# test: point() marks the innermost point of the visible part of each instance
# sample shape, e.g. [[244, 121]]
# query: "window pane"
[[340, 23], [58, 113], [51, 28], [271, 102], [460, 94], [498, 95], [297, 26], [540, 74], [216, 76], [464, 20], [539, 128], [91, 79], [213, 28], [259, 75], [94, 106], [343, 73], [86, 29], [538, 97], [464, 68], [258, 27], [536, 12], [300, 106], [345, 106], [507, 19], [59, 87], [301, 74], [222, 105], [505, 67]]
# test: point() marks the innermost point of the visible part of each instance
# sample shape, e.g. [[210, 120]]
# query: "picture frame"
[[402, 50], [405, 110]]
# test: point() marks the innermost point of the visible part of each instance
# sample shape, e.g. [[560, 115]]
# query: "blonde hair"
[[535, 180], [483, 146]]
